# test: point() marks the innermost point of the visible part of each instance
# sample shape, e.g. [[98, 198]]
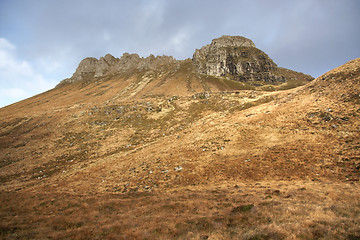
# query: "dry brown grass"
[[226, 165], [260, 210]]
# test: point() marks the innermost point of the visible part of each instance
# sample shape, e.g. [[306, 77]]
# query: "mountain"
[[135, 148], [239, 59], [228, 63]]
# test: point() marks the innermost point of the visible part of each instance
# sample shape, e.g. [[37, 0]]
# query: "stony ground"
[[241, 164]]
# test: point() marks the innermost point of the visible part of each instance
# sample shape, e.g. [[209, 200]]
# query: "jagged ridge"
[[233, 57], [92, 68]]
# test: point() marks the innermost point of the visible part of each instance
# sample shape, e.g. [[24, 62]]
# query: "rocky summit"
[[238, 58], [91, 68], [231, 57]]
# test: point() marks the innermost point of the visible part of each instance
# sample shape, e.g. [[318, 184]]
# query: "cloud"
[[18, 79], [17, 93]]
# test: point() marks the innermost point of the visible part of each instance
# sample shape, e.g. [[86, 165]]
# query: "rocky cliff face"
[[237, 58], [233, 57], [90, 68]]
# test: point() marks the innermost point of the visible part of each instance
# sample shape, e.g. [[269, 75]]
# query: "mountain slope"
[[159, 162]]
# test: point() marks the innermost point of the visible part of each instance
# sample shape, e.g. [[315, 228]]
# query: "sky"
[[43, 41]]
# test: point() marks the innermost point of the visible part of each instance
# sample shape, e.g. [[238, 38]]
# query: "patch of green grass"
[[224, 84], [268, 88], [292, 84], [242, 208]]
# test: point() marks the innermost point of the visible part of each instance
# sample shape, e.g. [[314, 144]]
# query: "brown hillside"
[[186, 157]]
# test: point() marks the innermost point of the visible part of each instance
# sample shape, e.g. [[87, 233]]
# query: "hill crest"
[[231, 57]]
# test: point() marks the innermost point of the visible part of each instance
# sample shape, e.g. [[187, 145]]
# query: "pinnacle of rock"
[[236, 57]]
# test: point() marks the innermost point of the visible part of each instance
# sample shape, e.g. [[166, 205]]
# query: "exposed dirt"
[[108, 160]]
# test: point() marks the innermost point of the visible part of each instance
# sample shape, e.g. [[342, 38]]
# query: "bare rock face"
[[104, 64], [85, 69], [238, 58], [234, 57], [90, 68]]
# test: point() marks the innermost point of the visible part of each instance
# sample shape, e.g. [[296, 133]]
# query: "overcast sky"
[[43, 41]]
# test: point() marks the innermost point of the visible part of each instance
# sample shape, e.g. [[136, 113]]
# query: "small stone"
[[276, 192], [178, 169]]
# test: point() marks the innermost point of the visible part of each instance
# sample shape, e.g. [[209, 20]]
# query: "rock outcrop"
[[90, 68], [233, 57], [237, 58]]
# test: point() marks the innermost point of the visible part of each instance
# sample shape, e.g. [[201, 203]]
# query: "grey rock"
[[92, 68], [235, 57], [178, 168], [86, 68], [104, 64]]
